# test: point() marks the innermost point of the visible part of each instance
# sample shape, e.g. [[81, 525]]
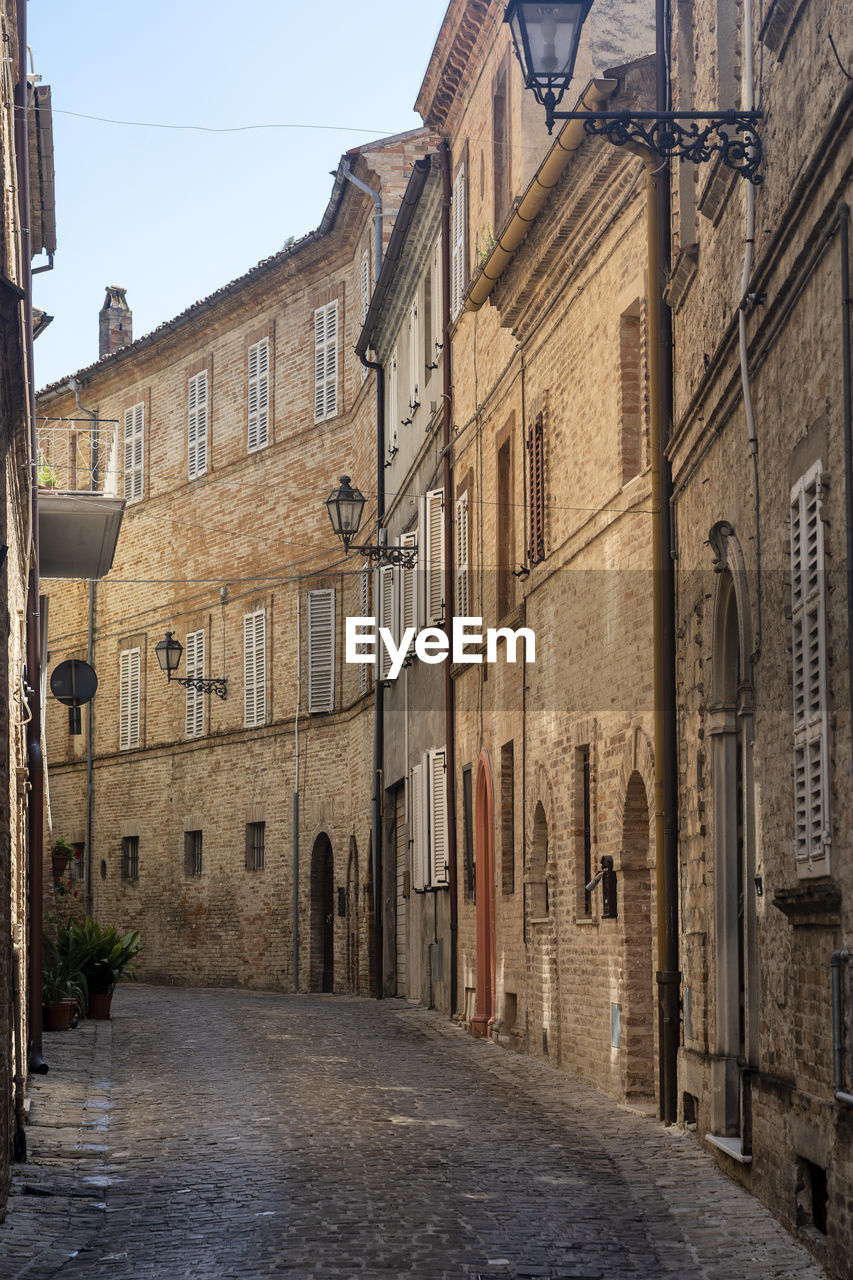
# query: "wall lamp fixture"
[[345, 506], [546, 39], [169, 655]]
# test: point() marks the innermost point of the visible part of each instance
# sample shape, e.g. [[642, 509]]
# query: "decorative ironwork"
[[684, 135], [398, 557], [218, 685]]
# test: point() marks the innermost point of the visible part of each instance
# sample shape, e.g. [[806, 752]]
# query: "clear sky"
[[173, 214]]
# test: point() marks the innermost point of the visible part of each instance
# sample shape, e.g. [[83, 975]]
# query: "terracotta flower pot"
[[57, 1017], [99, 1004]]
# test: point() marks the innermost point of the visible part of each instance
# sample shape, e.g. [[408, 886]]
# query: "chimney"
[[115, 322]]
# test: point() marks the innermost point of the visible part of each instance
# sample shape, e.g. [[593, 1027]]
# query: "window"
[[254, 668], [503, 531], [365, 296], [194, 647], [507, 826], [414, 358], [255, 846], [433, 526], [584, 827], [468, 830], [500, 147], [631, 393], [428, 818], [364, 612], [811, 729], [387, 618], [326, 362], [536, 491], [192, 853], [463, 603], [321, 651], [458, 261], [393, 400], [130, 858], [258, 399], [436, 304], [130, 672], [134, 453], [197, 425], [78, 862]]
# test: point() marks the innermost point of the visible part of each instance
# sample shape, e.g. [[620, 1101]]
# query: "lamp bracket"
[[399, 557], [218, 686], [687, 135]]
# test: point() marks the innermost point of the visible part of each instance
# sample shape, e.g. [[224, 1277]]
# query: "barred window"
[[130, 858], [192, 853], [255, 846]]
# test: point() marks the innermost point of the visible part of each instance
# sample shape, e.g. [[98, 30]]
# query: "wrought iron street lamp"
[[169, 652], [546, 38], [345, 506]]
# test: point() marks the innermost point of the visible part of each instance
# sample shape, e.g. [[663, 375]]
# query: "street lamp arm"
[[218, 685]]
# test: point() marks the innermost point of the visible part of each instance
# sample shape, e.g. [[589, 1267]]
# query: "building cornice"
[[452, 56]]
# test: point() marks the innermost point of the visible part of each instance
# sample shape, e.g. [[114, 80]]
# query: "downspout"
[[447, 460], [838, 958], [844, 232], [296, 792], [20, 1141], [35, 801], [378, 691]]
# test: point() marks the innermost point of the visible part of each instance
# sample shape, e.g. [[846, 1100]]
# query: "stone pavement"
[[211, 1135]]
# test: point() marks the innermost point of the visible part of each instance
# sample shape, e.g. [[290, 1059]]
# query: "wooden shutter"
[[254, 668], [409, 587], [458, 262], [197, 425], [258, 435], [134, 452], [811, 726], [433, 526], [536, 491], [326, 362], [437, 307], [417, 827], [437, 801], [393, 400], [365, 296], [386, 618], [414, 357], [321, 650], [129, 699], [364, 612], [463, 602], [194, 653]]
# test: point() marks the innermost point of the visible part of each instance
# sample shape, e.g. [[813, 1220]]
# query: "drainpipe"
[[296, 792], [35, 803], [378, 691], [20, 1141], [449, 511], [844, 232], [838, 958]]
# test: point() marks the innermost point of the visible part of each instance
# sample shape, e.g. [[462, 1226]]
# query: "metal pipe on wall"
[[838, 958]]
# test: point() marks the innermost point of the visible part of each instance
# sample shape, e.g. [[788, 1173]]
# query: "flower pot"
[[99, 1004], [57, 1017], [60, 864]]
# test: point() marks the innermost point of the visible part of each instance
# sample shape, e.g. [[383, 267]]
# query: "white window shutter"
[[414, 357], [134, 453], [437, 801], [809, 673], [458, 265], [254, 668], [258, 429], [409, 588], [365, 296], [321, 650], [197, 425], [463, 603], [433, 526], [393, 400], [437, 301], [364, 612], [194, 652], [129, 698], [326, 362], [417, 827], [386, 617]]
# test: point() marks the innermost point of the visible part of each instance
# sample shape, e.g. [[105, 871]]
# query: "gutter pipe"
[[296, 792], [19, 1148], [844, 233], [377, 213], [838, 958]]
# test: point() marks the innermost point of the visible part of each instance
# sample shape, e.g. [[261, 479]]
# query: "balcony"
[[79, 508]]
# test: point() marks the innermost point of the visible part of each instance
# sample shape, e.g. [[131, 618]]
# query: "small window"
[[255, 846], [536, 491], [504, 517], [258, 433], [393, 401], [468, 829], [130, 664], [134, 453], [78, 862], [414, 358], [507, 822], [436, 306], [130, 858], [500, 147], [631, 393], [192, 853], [197, 425], [326, 362]]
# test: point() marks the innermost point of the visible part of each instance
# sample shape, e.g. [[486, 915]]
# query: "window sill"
[[810, 904], [730, 1146]]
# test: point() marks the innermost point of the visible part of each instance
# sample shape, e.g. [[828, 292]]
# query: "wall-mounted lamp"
[[345, 506], [169, 652]]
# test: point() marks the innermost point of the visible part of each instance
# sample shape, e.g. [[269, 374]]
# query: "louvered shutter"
[[437, 307], [393, 399], [326, 362], [462, 592], [414, 357], [254, 668], [321, 650], [197, 425], [386, 617], [417, 827], [194, 653], [365, 297], [437, 801], [364, 612], [433, 526], [811, 726], [458, 263], [409, 588], [258, 432], [536, 491], [129, 699], [134, 452]]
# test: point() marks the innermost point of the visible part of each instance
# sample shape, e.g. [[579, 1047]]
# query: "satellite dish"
[[73, 683]]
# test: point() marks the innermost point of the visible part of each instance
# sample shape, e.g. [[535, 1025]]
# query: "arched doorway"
[[322, 966], [735, 925], [352, 917], [484, 873], [635, 914]]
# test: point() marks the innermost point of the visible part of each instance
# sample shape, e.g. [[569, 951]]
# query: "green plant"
[[105, 956], [47, 477], [62, 848], [62, 976]]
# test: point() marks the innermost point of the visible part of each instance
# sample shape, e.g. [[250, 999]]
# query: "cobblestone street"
[[224, 1134]]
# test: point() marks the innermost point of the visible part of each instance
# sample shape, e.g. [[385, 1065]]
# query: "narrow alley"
[[225, 1134]]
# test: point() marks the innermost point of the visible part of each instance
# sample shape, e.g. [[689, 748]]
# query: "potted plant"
[[107, 959], [63, 987], [61, 854]]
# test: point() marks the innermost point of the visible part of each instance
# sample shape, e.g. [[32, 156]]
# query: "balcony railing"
[[79, 457]]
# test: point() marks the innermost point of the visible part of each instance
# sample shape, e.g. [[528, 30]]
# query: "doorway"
[[322, 969]]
